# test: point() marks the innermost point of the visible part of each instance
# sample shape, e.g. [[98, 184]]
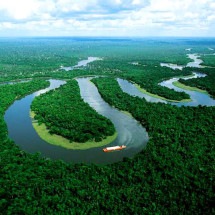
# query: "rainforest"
[[64, 99]]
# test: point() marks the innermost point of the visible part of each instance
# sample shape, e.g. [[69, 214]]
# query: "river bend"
[[197, 98], [130, 132]]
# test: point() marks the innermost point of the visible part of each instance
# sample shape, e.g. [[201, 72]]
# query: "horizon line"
[[139, 37]]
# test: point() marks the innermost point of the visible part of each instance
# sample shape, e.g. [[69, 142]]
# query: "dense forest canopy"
[[77, 122], [173, 174], [204, 83]]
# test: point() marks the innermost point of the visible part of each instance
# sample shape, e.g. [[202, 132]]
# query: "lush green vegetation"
[[41, 57], [173, 175], [179, 155], [157, 96], [58, 140], [147, 72], [9, 93], [77, 122], [149, 78], [185, 87], [205, 83], [209, 60]]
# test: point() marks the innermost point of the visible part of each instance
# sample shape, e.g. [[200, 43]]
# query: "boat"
[[114, 148]]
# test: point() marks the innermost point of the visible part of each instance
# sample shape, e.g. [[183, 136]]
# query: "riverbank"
[[159, 97], [58, 140], [185, 87]]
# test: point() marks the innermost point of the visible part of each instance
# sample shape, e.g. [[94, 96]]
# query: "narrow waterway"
[[198, 98], [81, 63], [195, 63], [130, 132], [131, 89]]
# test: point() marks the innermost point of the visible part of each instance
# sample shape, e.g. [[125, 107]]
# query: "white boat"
[[114, 148]]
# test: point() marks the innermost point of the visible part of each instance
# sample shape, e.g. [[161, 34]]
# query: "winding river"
[[130, 132], [198, 98], [196, 63]]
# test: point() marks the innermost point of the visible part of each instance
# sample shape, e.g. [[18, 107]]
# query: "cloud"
[[24, 9], [21, 9], [113, 6], [107, 18]]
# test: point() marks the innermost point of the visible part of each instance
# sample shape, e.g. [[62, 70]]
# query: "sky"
[[109, 18]]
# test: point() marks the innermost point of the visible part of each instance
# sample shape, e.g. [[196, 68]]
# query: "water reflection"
[[169, 83], [81, 63], [130, 132], [172, 66], [132, 90], [196, 61], [197, 98], [54, 84]]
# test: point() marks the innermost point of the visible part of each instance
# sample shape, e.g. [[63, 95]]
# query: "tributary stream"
[[197, 98]]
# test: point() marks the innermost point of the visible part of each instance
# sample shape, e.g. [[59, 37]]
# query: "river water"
[[130, 132], [81, 63], [196, 63], [197, 98]]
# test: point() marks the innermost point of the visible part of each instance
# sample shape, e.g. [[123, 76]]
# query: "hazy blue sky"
[[107, 18]]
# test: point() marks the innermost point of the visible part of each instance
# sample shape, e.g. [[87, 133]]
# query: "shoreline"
[[185, 87], [58, 140], [159, 97]]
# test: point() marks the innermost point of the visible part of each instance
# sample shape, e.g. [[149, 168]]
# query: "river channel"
[[81, 63], [197, 98], [130, 132]]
